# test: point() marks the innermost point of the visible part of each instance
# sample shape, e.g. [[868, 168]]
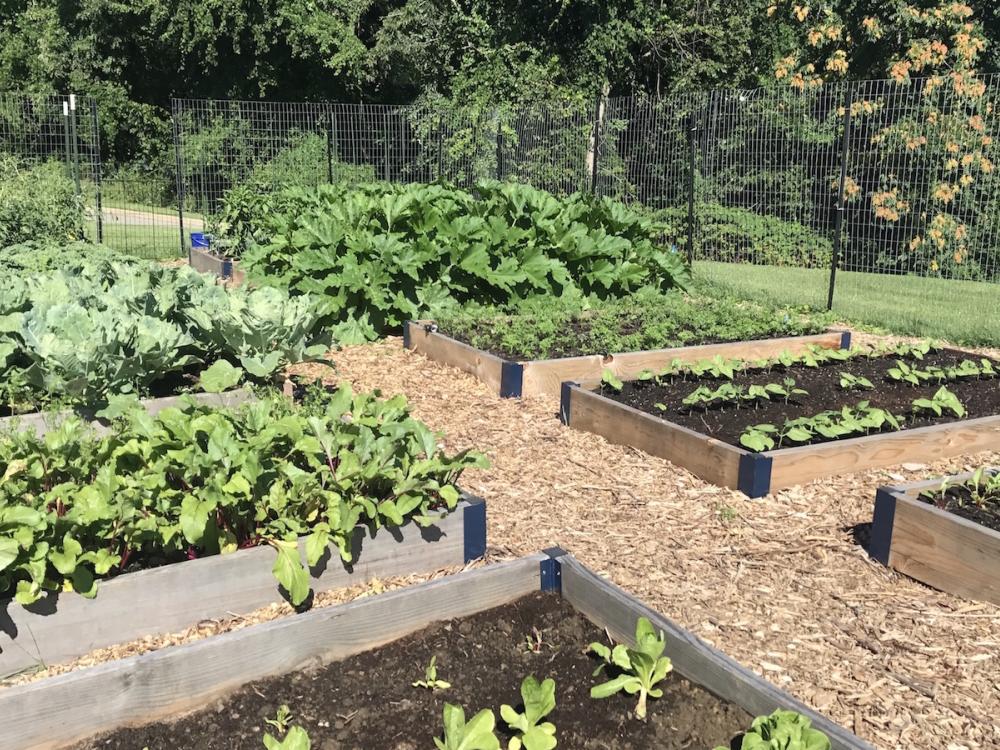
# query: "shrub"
[[736, 235], [37, 203], [379, 254]]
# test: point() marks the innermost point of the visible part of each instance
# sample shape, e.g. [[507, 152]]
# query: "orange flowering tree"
[[924, 153]]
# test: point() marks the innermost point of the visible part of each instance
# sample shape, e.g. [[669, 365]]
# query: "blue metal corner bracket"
[[754, 477], [565, 399], [550, 569], [227, 269], [845, 339], [406, 334], [882, 521], [474, 524], [511, 379]]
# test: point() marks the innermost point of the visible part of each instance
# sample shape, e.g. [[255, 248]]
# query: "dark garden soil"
[[981, 398], [367, 702], [958, 499]]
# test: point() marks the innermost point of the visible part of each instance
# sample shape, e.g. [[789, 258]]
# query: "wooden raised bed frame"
[[935, 546], [757, 474], [174, 597], [51, 713], [538, 377], [208, 262]]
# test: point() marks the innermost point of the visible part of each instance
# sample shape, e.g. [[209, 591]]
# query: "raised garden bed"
[[710, 437], [513, 379], [936, 532], [707, 697], [179, 595], [204, 260]]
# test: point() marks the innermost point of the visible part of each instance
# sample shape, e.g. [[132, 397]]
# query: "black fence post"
[[597, 142], [95, 126], [179, 165], [499, 148], [329, 147], [440, 145], [692, 129], [838, 223]]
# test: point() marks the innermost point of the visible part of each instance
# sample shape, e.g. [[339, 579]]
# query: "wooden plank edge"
[[609, 606], [50, 713], [126, 603], [911, 489], [41, 422], [511, 373]]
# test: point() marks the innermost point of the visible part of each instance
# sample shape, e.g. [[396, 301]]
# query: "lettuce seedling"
[[539, 700], [642, 667], [296, 739], [783, 730], [611, 380], [477, 734], [430, 681]]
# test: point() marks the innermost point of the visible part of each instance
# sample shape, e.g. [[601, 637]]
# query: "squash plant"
[[197, 480]]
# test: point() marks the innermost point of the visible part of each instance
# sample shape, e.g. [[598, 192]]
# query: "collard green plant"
[[380, 254], [198, 480], [783, 730], [539, 700], [640, 668], [476, 734]]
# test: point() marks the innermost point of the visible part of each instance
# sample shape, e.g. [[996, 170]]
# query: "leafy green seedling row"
[[196, 481]]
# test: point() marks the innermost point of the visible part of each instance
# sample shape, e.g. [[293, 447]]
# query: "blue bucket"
[[200, 239]]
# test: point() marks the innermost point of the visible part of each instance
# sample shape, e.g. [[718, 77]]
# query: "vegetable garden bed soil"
[[981, 398], [958, 500], [367, 702]]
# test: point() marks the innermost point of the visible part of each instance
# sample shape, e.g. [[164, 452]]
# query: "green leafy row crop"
[[566, 327], [380, 254], [195, 481], [101, 326]]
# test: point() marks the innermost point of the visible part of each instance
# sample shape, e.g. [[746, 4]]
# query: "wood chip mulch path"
[[782, 584]]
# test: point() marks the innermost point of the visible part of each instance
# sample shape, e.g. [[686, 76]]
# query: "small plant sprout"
[[431, 681], [646, 376], [533, 642], [534, 734], [641, 667], [296, 738], [851, 382], [611, 380], [942, 400], [783, 730], [759, 437], [477, 734]]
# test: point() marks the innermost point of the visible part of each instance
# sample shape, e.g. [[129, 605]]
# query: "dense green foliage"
[[543, 329], [380, 254], [783, 730], [91, 325], [197, 480], [37, 203]]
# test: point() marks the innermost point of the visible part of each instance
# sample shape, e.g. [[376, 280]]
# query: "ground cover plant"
[[533, 699], [817, 396], [976, 498], [198, 480], [569, 327], [37, 202], [380, 254], [80, 326]]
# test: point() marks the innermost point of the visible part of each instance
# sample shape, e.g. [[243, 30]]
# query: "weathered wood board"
[[174, 597], [207, 262], [545, 376], [935, 546]]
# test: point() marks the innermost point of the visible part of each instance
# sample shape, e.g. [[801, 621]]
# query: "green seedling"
[[611, 380], [533, 642], [296, 738], [942, 400], [851, 382], [906, 374], [859, 419], [282, 719], [783, 730], [477, 734], [431, 681], [759, 437], [641, 667], [539, 700]]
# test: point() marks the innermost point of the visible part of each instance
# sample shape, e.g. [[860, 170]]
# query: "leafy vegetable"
[[198, 480], [477, 734], [431, 681], [539, 700], [862, 419], [296, 739], [942, 400], [641, 667], [379, 254], [783, 730]]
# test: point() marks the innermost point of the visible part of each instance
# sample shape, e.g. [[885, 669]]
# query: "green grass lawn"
[[963, 312], [143, 241]]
